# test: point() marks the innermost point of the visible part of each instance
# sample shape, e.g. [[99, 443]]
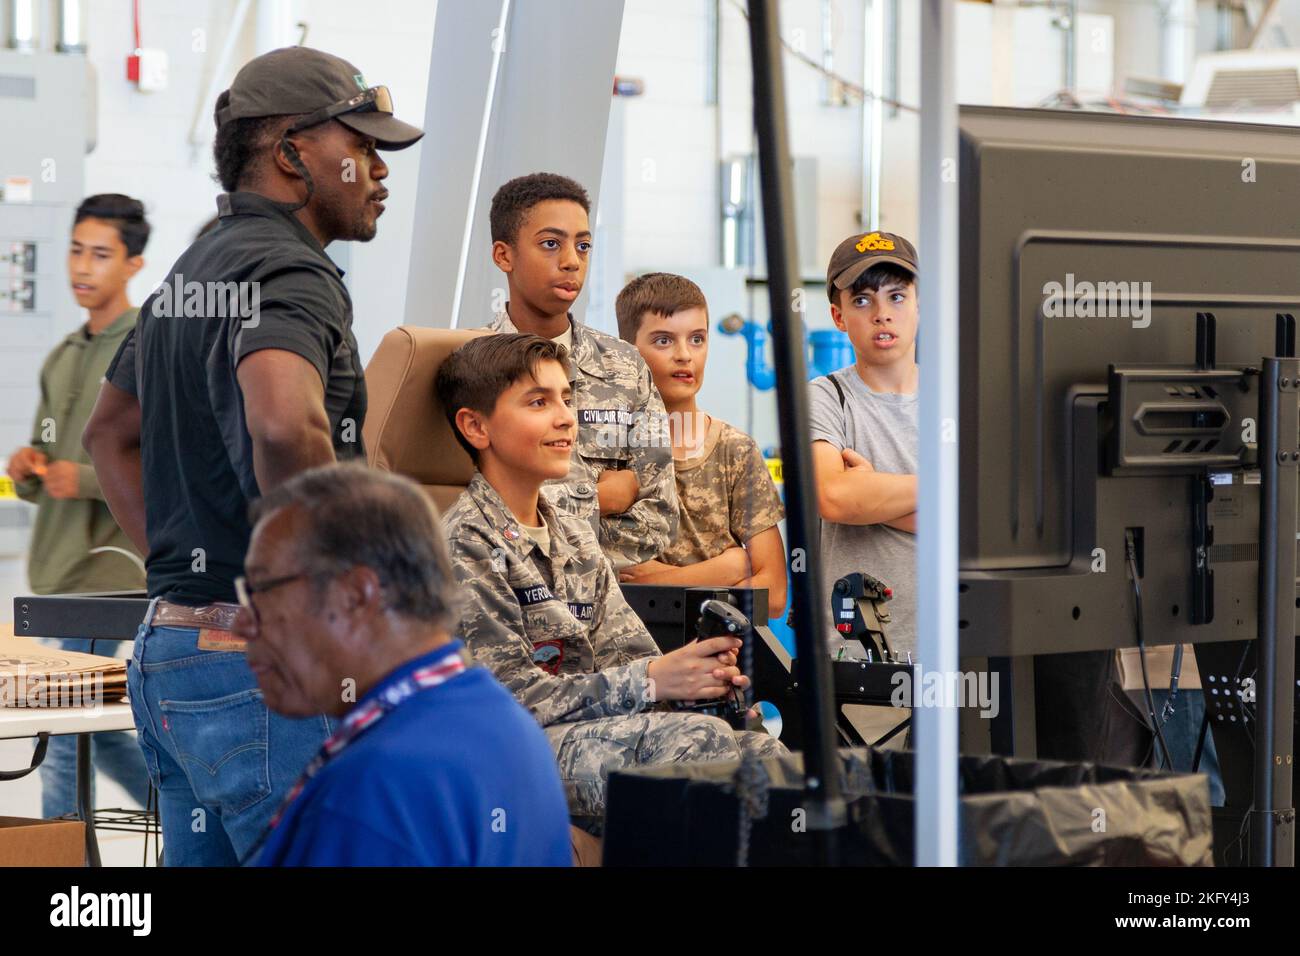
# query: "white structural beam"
[[515, 87], [936, 727]]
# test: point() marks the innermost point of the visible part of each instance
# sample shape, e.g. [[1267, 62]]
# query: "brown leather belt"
[[213, 617]]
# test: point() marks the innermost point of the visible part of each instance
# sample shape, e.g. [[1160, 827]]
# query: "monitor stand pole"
[[1272, 819]]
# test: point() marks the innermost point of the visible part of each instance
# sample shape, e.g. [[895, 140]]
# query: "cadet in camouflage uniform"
[[543, 610], [555, 630], [727, 496], [622, 425], [730, 509]]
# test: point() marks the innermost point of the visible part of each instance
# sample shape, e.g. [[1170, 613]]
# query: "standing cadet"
[[243, 371], [621, 472], [543, 607]]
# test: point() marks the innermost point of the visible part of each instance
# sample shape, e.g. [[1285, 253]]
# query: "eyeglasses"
[[244, 591], [376, 99]]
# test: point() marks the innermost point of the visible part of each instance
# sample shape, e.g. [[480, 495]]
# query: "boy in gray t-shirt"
[[864, 426]]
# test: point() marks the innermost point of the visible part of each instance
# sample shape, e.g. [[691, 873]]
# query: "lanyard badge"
[[362, 718]]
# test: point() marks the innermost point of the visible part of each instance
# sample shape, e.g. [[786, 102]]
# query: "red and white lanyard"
[[362, 718]]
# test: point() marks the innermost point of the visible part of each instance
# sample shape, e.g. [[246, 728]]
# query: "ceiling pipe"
[[71, 26], [1178, 40], [24, 19]]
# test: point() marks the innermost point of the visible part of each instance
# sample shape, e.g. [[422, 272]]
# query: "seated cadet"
[[543, 606], [621, 471], [347, 610], [729, 508]]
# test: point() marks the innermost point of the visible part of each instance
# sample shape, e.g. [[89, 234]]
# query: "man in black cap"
[[241, 372]]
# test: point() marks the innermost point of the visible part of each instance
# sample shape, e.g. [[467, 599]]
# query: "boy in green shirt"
[[76, 546]]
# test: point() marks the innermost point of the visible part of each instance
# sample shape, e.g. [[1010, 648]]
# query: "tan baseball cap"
[[858, 253]]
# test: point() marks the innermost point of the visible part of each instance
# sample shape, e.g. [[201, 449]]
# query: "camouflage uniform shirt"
[[553, 627], [726, 497], [621, 424]]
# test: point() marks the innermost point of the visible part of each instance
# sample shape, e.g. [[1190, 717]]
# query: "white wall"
[[1007, 55], [390, 44], [143, 150], [673, 139], [673, 144]]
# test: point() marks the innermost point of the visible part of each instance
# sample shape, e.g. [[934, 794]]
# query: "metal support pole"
[[85, 803], [821, 766], [936, 727], [1071, 76], [1272, 821], [873, 111]]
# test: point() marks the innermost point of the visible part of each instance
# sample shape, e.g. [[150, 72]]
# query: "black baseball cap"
[[298, 79], [856, 254]]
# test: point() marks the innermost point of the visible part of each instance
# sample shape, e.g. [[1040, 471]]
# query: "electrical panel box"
[[43, 106], [42, 113]]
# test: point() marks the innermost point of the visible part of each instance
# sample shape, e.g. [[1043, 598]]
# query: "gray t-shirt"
[[881, 427]]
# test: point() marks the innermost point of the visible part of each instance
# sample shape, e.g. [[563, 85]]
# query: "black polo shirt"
[[259, 280]]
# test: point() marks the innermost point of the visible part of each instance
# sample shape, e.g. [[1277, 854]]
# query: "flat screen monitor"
[[1089, 241]]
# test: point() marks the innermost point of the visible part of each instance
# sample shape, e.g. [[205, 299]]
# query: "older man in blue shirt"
[[347, 610]]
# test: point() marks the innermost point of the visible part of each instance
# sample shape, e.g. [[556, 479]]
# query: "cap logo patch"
[[359, 80], [872, 242]]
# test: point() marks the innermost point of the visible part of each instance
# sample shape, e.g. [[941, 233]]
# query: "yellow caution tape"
[[7, 487], [774, 469]]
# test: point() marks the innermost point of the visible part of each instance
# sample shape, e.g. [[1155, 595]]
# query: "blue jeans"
[[114, 753], [221, 761], [1181, 733]]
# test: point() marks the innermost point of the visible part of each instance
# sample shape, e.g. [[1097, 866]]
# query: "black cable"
[[1171, 705], [1130, 553], [1200, 740], [291, 153], [1240, 842]]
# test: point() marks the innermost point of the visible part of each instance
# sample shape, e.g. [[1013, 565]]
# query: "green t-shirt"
[[68, 530]]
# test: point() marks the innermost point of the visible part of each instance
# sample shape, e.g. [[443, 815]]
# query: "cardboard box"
[[25, 842], [34, 675]]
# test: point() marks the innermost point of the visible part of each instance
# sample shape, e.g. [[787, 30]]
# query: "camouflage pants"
[[588, 750]]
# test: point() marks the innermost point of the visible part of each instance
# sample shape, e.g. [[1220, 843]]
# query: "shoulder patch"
[[549, 655]]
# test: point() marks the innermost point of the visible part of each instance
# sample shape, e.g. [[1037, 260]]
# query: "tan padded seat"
[[406, 431]]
